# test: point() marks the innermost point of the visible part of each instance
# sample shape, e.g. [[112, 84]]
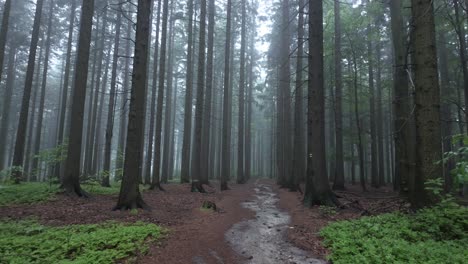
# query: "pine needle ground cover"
[[31, 242], [435, 235]]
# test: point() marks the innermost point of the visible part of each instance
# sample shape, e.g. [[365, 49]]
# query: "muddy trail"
[[263, 240]]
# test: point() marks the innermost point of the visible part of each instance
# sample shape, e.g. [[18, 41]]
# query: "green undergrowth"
[[26, 193], [35, 192], [96, 188], [31, 242], [433, 235]]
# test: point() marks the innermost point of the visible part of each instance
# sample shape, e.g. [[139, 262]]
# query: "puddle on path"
[[264, 239]]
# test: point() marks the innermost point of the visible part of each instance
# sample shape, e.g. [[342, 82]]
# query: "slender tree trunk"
[[130, 196], [402, 112], [206, 167], [299, 168], [248, 125], [445, 110], [40, 115], [71, 181], [125, 99], [65, 86], [226, 139], [460, 30], [91, 133], [159, 108], [112, 98], [149, 156], [379, 112], [186, 147], [196, 171], [6, 107], [18, 155], [373, 131], [168, 132], [4, 33], [339, 172], [242, 84]]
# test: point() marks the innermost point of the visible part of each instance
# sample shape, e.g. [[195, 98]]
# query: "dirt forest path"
[[249, 228]]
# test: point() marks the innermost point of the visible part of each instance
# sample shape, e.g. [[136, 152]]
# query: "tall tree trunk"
[[168, 132], [379, 112], [226, 139], [248, 125], [91, 131], [207, 167], [159, 108], [66, 79], [339, 181], [401, 102], [130, 196], [186, 147], [285, 98], [445, 110], [71, 181], [373, 130], [18, 155], [427, 98], [112, 97], [196, 171], [299, 168], [6, 107], [4, 33], [317, 189], [460, 29], [125, 98], [97, 149], [40, 115], [241, 121], [154, 88]]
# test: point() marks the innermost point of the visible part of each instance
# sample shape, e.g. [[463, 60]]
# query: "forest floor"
[[198, 235]]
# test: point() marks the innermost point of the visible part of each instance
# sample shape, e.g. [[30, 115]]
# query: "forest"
[[233, 131]]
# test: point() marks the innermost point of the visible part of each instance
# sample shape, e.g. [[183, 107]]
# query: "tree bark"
[[317, 189], [18, 155], [40, 115], [110, 112], [71, 181], [149, 156], [4, 33], [65, 86], [130, 196], [427, 99], [226, 139], [159, 108], [6, 107], [186, 145]]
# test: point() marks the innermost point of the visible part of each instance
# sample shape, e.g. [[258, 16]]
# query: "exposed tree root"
[[133, 205], [198, 187], [158, 186]]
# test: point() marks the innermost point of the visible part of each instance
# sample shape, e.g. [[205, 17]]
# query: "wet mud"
[[263, 240]]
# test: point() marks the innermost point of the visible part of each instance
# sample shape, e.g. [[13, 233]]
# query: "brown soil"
[[194, 234], [197, 235]]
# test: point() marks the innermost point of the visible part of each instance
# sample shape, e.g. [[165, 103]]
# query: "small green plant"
[[327, 210], [7, 174], [31, 242]]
